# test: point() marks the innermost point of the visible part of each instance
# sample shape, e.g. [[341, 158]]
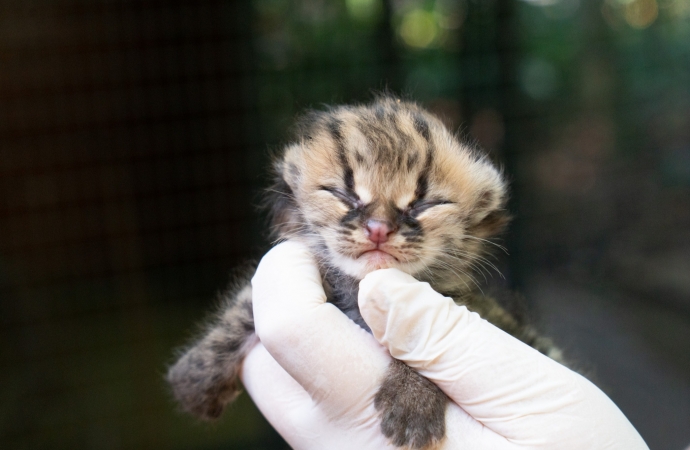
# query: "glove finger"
[[296, 416], [333, 359]]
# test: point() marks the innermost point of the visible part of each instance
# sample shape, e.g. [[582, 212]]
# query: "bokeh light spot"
[[418, 28], [641, 13], [538, 78], [364, 10], [679, 9]]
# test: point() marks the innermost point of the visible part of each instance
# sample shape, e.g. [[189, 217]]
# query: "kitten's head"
[[387, 185]]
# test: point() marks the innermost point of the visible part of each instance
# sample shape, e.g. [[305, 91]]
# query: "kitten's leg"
[[489, 309], [412, 408], [204, 379]]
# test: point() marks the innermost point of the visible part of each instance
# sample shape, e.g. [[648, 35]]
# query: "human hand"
[[315, 373]]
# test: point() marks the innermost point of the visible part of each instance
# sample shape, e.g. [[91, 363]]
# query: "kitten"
[[370, 187]]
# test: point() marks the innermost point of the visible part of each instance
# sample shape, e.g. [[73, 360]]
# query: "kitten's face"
[[387, 185]]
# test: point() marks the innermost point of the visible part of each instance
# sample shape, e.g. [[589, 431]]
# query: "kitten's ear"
[[491, 225], [489, 216], [279, 199]]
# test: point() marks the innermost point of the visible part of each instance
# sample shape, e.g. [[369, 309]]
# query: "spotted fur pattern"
[[441, 200]]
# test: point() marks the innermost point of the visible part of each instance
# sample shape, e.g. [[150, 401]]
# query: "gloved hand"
[[315, 373]]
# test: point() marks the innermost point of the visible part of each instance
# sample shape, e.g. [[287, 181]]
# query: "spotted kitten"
[[370, 187]]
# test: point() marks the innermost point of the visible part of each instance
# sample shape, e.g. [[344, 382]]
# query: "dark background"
[[134, 141]]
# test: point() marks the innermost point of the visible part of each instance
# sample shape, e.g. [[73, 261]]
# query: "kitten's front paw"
[[202, 387], [412, 408]]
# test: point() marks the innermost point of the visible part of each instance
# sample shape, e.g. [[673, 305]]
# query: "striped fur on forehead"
[[390, 146], [384, 149]]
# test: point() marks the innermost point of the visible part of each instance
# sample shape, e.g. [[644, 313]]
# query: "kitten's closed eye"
[[419, 206], [351, 199]]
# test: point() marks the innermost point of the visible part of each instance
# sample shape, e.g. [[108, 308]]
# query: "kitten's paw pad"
[[201, 390], [412, 409]]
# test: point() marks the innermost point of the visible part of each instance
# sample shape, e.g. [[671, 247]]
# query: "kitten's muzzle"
[[378, 231]]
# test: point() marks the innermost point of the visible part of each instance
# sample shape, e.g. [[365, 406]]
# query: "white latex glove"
[[315, 373]]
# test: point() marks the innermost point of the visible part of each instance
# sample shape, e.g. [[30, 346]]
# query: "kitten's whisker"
[[473, 261], [467, 236], [443, 264], [484, 263], [281, 193], [470, 257]]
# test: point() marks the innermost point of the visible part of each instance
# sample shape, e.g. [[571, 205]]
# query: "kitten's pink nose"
[[379, 230]]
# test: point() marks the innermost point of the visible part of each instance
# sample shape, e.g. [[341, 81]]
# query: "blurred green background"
[[135, 137]]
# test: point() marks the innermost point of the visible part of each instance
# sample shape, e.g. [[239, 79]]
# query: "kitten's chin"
[[377, 259], [365, 263]]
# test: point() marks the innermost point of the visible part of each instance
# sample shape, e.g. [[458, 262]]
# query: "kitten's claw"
[[412, 408]]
